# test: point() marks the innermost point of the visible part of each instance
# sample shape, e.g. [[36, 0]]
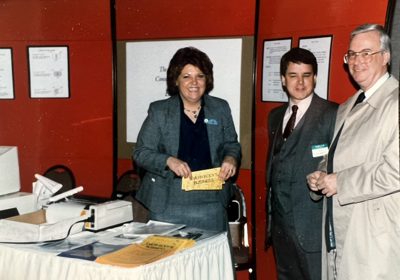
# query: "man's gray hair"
[[384, 37]]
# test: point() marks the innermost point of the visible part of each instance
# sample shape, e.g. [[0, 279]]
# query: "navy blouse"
[[194, 147]]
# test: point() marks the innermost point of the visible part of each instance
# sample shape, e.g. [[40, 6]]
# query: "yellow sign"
[[203, 180]]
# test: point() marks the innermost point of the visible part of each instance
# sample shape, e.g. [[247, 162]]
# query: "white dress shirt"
[[378, 83], [303, 107]]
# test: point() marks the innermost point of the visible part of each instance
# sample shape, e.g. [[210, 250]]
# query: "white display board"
[[146, 68]]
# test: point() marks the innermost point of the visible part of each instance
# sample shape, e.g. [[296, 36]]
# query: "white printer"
[[12, 202], [108, 214]]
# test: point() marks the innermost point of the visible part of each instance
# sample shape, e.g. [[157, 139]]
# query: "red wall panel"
[[291, 18], [59, 20], [143, 19], [77, 131]]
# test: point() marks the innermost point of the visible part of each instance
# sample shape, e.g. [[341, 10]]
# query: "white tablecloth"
[[209, 259]]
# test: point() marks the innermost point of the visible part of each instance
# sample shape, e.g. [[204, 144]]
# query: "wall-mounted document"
[[321, 48], [6, 74], [48, 72], [271, 84]]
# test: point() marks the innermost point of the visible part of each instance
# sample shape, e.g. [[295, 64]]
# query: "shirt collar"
[[303, 104], [378, 83]]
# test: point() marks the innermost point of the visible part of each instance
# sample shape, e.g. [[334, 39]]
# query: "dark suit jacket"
[[158, 139], [317, 128]]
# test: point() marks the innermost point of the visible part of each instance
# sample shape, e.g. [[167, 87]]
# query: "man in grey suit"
[[300, 133], [362, 182]]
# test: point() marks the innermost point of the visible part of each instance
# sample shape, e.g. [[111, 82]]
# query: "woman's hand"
[[179, 167], [228, 168]]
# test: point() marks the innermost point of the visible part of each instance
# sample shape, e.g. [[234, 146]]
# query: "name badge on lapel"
[[319, 150], [211, 121]]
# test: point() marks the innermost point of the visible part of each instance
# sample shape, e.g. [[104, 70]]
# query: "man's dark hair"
[[183, 57], [298, 55]]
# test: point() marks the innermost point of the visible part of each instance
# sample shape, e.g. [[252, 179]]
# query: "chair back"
[[127, 186], [237, 216], [63, 175]]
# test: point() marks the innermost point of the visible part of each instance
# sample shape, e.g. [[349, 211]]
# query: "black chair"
[[127, 186], [238, 229], [63, 175]]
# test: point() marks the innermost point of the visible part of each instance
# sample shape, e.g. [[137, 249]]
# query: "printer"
[[12, 201], [109, 214], [19, 205], [54, 217], [102, 215]]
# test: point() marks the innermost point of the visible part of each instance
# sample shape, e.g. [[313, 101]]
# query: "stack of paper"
[[135, 229], [151, 249], [203, 180]]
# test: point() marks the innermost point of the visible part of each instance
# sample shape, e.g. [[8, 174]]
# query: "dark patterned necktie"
[[329, 231], [290, 124], [360, 99]]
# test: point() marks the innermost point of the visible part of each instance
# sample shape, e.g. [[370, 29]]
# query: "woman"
[[187, 132]]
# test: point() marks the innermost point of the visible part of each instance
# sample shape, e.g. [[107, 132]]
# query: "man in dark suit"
[[299, 135]]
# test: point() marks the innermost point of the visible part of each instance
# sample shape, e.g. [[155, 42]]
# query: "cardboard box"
[[32, 227]]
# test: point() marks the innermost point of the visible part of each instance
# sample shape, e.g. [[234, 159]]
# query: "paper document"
[[203, 180], [168, 242], [195, 233], [135, 229], [90, 251], [151, 249]]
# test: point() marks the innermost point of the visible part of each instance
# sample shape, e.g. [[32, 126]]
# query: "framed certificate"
[[271, 78], [6, 74], [48, 72], [321, 48]]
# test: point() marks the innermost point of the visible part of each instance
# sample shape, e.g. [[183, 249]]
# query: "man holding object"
[[362, 185]]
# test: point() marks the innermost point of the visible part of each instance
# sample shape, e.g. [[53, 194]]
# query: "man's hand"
[[319, 181]]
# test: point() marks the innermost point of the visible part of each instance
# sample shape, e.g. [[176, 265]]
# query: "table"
[[209, 259]]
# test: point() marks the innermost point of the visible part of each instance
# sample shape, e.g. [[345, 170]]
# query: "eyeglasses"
[[366, 56]]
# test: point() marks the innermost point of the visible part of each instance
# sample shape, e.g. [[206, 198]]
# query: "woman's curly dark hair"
[[183, 57]]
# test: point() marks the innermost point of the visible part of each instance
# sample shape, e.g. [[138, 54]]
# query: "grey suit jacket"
[[317, 128], [158, 139]]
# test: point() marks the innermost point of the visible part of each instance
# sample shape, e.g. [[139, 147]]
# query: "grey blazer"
[[317, 128], [158, 139]]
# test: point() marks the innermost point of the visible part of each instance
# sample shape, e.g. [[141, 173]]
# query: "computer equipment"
[[9, 170], [12, 201]]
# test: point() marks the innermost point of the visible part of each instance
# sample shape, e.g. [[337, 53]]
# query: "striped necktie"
[[290, 124]]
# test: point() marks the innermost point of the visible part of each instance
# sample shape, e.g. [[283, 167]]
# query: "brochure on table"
[[148, 235]]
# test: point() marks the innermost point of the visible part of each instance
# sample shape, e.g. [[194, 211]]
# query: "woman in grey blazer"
[[189, 131]]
